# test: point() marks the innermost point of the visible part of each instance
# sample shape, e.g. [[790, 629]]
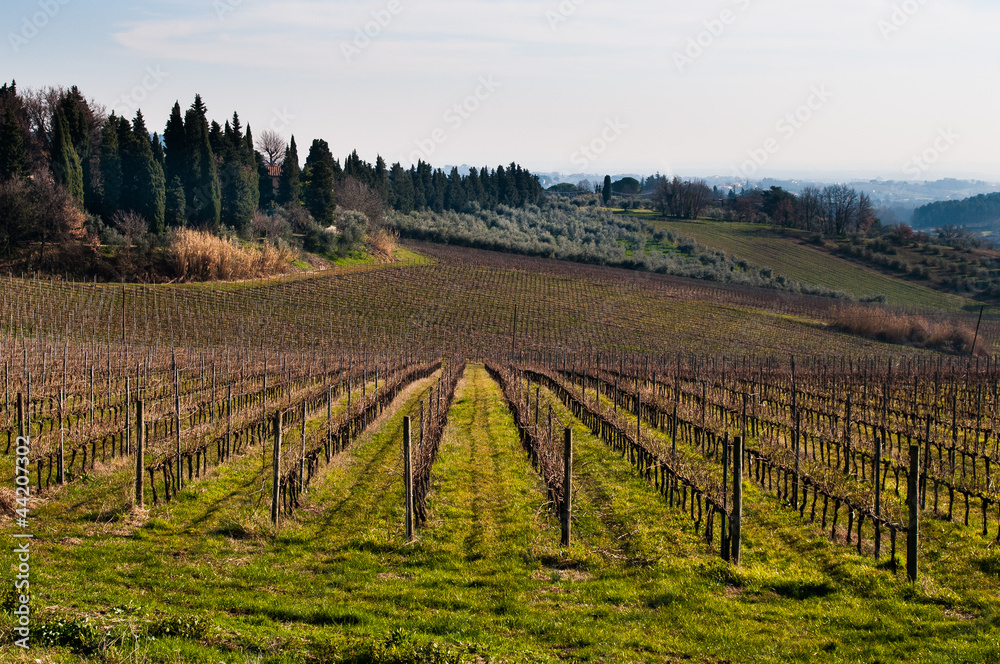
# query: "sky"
[[902, 89]]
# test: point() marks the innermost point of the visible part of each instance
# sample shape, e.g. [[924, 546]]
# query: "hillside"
[[219, 562], [790, 253]]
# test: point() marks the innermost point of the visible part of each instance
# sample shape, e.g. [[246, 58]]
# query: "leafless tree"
[[811, 209], [842, 208], [686, 200], [132, 226], [272, 146], [355, 195]]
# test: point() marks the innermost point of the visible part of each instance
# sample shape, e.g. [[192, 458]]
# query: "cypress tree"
[[240, 193], [290, 180], [175, 204], [265, 184], [455, 197], [111, 168], [381, 184], [439, 182], [143, 186], [66, 166], [606, 190], [13, 154], [401, 187], [319, 196], [201, 178], [156, 145], [178, 153], [79, 116], [217, 137]]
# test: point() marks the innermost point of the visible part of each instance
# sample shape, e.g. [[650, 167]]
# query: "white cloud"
[[611, 58]]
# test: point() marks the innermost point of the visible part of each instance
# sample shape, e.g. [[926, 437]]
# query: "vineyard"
[[481, 458]]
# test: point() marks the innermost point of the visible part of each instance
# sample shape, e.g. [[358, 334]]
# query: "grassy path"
[[338, 584], [797, 596]]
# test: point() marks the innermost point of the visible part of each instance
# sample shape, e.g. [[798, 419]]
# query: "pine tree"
[[319, 196], [606, 190], [13, 154], [290, 180], [66, 166]]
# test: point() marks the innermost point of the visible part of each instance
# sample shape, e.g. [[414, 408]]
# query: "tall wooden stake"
[[912, 500], [276, 469], [140, 452], [408, 479], [567, 506], [735, 530]]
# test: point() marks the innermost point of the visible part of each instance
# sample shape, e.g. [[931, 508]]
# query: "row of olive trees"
[[561, 230]]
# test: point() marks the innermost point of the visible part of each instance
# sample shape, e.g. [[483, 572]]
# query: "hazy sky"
[[754, 87]]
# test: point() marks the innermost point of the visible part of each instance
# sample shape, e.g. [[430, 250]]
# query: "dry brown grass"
[[897, 328], [201, 256], [384, 242]]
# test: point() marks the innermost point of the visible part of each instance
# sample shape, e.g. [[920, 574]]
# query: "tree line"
[[202, 174], [980, 210]]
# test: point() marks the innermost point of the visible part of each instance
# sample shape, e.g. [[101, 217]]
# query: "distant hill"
[[979, 212]]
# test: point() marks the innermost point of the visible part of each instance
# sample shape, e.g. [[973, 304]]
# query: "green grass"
[[790, 256], [486, 577]]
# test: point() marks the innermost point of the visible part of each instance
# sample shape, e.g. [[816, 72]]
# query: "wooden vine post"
[[177, 427], [302, 460], [20, 414], [61, 455], [567, 505], [913, 502], [735, 529], [140, 460], [727, 452], [408, 478], [276, 469]]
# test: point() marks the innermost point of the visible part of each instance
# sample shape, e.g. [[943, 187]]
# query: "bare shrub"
[[384, 242], [132, 226], [201, 256], [355, 195], [270, 226], [898, 328]]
